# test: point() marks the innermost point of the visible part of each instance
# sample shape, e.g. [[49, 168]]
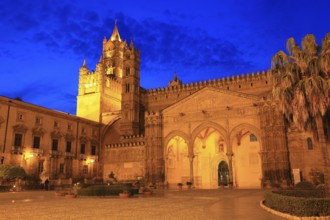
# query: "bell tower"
[[131, 92], [113, 89]]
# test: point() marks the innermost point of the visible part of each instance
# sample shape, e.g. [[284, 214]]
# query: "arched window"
[[253, 138], [309, 144]]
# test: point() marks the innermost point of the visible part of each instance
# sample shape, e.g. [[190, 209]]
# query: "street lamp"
[[27, 157], [92, 167]]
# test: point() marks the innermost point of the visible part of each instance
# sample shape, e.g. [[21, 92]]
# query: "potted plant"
[[70, 195], [59, 193], [189, 184], [180, 186], [124, 194], [147, 191]]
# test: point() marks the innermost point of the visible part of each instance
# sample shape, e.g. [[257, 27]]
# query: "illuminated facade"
[[47, 143], [211, 132]]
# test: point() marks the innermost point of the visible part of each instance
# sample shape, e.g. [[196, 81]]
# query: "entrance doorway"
[[223, 173]]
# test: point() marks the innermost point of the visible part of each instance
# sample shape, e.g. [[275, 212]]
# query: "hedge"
[[105, 190], [298, 206], [312, 193]]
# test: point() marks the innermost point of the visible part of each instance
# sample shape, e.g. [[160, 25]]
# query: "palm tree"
[[301, 85]]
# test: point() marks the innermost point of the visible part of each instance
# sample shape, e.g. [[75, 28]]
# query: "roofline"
[[44, 110]]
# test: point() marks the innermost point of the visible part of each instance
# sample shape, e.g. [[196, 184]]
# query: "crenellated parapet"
[[126, 145], [233, 82]]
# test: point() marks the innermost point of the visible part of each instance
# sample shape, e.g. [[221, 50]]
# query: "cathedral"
[[212, 132]]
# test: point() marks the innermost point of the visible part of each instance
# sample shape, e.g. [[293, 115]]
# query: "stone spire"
[[84, 63], [131, 44], [115, 34]]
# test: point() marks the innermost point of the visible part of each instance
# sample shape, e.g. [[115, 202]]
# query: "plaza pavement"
[[164, 204]]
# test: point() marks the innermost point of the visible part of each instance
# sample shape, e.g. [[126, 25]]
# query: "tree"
[[301, 85], [11, 172]]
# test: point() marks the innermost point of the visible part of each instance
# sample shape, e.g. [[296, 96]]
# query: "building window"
[[253, 138], [38, 121], [68, 146], [94, 132], [62, 168], [309, 144], [40, 166], [55, 145], [36, 142], [82, 148], [20, 117], [85, 169], [93, 151], [56, 124], [83, 130], [18, 140], [69, 127]]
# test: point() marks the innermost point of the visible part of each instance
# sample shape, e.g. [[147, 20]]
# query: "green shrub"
[[99, 191], [297, 205], [10, 172], [5, 188], [304, 185]]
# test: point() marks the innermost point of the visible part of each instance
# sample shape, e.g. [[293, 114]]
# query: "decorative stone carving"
[[20, 128], [38, 131], [56, 134]]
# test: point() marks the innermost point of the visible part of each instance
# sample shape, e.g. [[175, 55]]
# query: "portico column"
[[230, 159], [191, 162]]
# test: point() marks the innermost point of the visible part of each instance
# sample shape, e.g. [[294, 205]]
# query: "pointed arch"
[[254, 130], [171, 135], [216, 126]]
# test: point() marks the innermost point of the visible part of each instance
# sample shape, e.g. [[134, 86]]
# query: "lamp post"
[[92, 167]]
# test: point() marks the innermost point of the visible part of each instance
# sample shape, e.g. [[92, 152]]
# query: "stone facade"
[[209, 133]]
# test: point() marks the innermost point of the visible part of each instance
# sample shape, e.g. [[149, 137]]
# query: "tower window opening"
[[309, 144], [127, 88], [128, 70]]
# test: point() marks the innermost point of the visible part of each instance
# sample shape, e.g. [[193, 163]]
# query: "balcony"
[[93, 157], [16, 150], [69, 155], [82, 157], [38, 151], [55, 153]]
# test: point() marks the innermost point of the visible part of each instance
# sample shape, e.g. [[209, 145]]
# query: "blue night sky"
[[43, 42]]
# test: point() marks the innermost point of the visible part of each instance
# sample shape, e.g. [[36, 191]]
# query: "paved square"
[[190, 204]]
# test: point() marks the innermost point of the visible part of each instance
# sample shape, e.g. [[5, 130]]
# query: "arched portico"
[[210, 147], [176, 154]]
